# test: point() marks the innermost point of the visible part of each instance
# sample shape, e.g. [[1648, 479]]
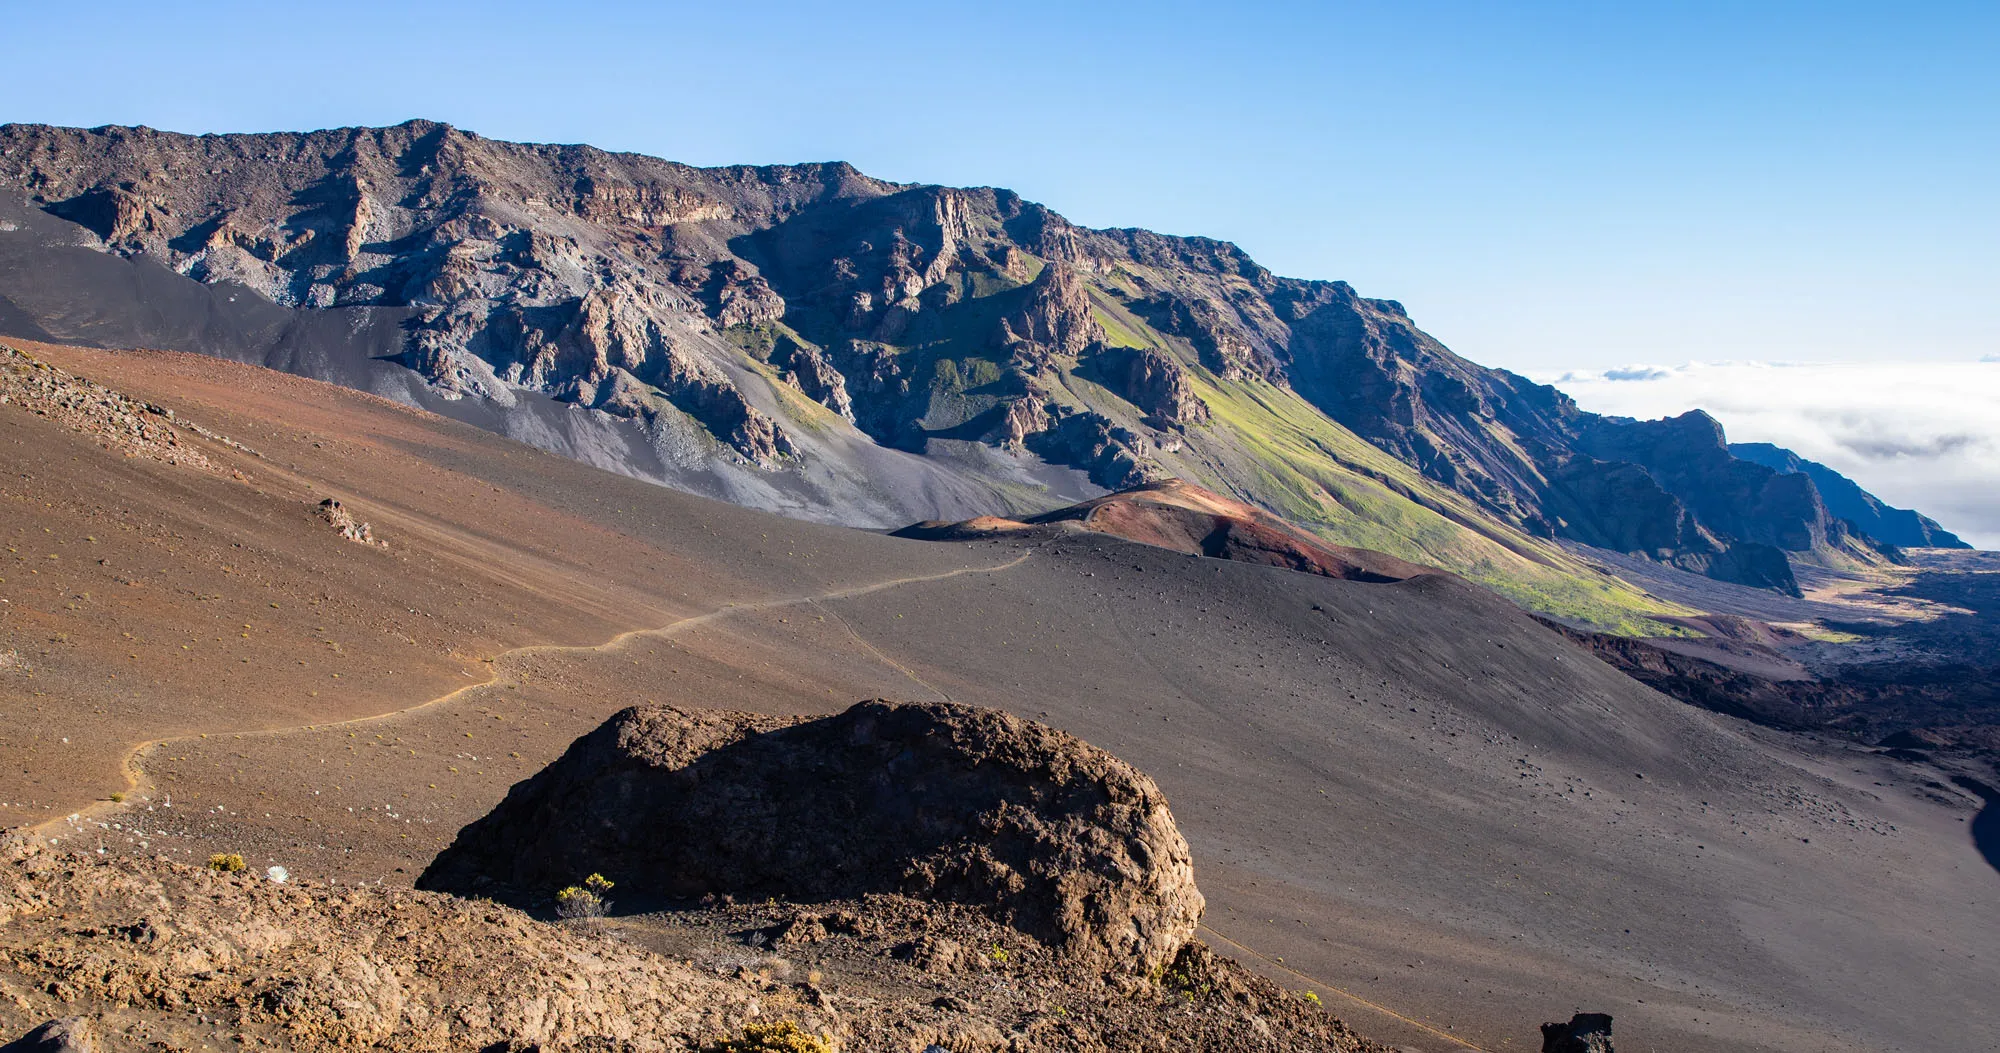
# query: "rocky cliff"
[[809, 339]]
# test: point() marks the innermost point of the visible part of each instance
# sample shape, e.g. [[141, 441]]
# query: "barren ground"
[[1405, 796]]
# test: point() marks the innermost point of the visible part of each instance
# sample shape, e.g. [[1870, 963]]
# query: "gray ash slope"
[[1418, 793], [814, 341]]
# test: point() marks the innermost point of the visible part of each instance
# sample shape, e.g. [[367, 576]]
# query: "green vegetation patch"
[[1121, 329], [1307, 468], [782, 1036], [757, 341]]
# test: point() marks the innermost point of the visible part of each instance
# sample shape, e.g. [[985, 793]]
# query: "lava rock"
[[74, 1034], [1027, 824], [1585, 1033]]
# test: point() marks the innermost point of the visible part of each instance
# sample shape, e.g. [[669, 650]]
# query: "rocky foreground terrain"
[[812, 340], [964, 880]]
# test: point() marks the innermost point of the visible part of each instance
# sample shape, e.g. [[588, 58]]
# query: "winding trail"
[[136, 781], [1279, 964]]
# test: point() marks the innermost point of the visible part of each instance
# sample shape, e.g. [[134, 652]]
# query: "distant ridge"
[[1902, 527], [810, 340]]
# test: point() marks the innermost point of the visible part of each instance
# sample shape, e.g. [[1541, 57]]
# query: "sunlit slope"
[[1262, 442], [1267, 445]]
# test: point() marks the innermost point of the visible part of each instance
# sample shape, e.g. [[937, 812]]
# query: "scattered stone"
[[134, 428], [933, 954], [171, 956], [315, 968]]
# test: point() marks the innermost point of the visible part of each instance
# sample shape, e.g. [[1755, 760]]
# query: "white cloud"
[[1922, 435]]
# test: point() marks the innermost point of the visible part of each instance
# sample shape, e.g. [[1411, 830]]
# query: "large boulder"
[[1030, 825]]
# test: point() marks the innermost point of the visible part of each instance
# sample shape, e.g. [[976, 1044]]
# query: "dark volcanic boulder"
[[1037, 828], [1585, 1033]]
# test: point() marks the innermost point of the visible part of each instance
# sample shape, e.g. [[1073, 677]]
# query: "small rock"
[[75, 1034], [932, 954]]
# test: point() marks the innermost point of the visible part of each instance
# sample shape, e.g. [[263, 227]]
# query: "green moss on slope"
[[1270, 443]]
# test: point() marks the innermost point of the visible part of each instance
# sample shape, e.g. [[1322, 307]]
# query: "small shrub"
[[584, 902], [1313, 997], [577, 903], [1189, 974], [226, 862], [780, 1037], [999, 954], [118, 798]]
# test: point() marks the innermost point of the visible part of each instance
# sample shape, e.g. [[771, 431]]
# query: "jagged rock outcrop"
[[532, 266], [1529, 453], [1018, 419], [1114, 455], [1029, 825], [733, 291], [343, 523], [1055, 320], [812, 371], [1154, 382], [1732, 497], [1224, 348]]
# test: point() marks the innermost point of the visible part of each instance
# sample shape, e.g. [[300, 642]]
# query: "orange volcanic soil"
[[147, 600], [1178, 515]]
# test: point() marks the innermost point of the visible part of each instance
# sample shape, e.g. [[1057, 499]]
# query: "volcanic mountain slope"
[[1924, 680], [161, 590], [811, 340], [1443, 818]]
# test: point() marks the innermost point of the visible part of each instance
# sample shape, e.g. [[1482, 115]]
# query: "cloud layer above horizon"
[[1923, 435]]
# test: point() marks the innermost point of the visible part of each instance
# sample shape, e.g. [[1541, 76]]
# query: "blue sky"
[[1546, 186]]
